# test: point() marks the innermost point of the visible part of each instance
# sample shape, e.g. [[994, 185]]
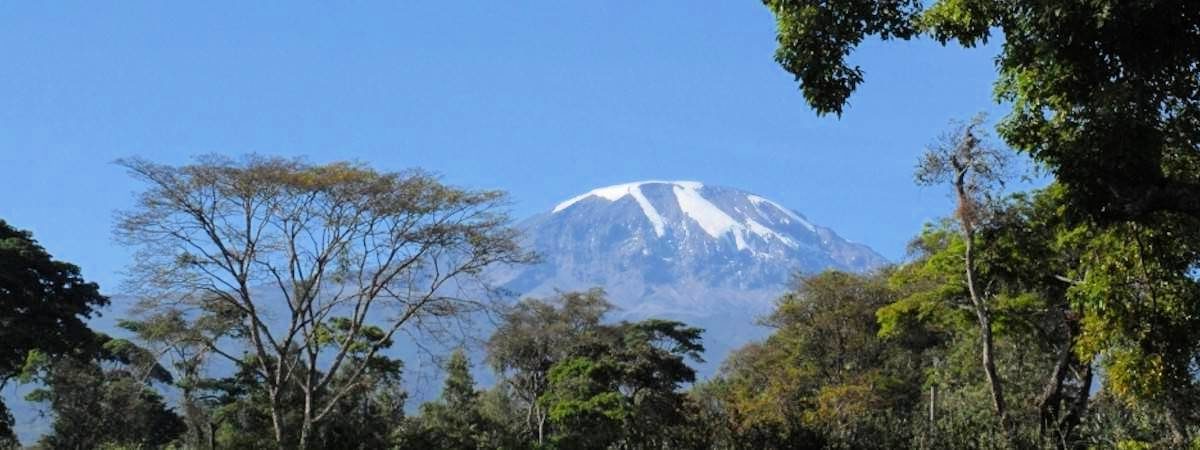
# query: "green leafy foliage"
[[45, 301], [583, 404], [815, 37], [624, 388], [569, 380], [535, 335], [1103, 93], [43, 305], [8, 438], [105, 398], [459, 419], [824, 378]]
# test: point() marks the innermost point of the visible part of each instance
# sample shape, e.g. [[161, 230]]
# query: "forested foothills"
[[278, 303], [891, 359]]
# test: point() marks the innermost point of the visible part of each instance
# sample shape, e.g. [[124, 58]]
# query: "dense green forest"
[[1064, 317]]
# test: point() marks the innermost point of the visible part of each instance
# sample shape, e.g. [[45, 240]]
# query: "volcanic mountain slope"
[[679, 248]]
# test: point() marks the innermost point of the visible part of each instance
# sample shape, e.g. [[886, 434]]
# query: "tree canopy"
[[45, 302], [312, 268], [1103, 93], [43, 305]]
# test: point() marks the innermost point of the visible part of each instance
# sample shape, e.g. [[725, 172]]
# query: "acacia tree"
[[267, 252], [973, 169]]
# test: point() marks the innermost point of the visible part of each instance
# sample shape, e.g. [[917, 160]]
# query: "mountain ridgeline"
[[682, 248], [710, 255]]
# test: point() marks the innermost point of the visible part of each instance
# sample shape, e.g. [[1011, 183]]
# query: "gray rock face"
[[679, 249]]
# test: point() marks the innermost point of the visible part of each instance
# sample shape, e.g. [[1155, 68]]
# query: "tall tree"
[[1031, 320], [43, 305], [974, 170], [271, 250], [1104, 95]]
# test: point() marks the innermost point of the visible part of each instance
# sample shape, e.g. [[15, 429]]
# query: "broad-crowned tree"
[[267, 252], [823, 378], [43, 305], [623, 389]]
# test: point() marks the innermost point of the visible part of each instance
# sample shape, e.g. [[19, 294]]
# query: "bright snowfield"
[[712, 256]]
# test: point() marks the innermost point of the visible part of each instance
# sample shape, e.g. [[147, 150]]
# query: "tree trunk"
[[932, 403], [1179, 433], [985, 328], [276, 417], [989, 367], [541, 428], [1079, 407], [306, 424], [1049, 402], [305, 428]]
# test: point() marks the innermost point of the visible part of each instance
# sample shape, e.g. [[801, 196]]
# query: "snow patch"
[[716, 222], [616, 192], [710, 218], [761, 230], [655, 219], [759, 202]]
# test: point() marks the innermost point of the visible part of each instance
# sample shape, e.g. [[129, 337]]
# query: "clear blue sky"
[[544, 99]]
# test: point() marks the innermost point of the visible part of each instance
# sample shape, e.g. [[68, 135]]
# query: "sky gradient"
[[542, 99]]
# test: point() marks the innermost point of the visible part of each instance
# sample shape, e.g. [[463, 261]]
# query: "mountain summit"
[[679, 248]]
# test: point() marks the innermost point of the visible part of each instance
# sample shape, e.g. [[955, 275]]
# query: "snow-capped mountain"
[[679, 247], [712, 256]]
